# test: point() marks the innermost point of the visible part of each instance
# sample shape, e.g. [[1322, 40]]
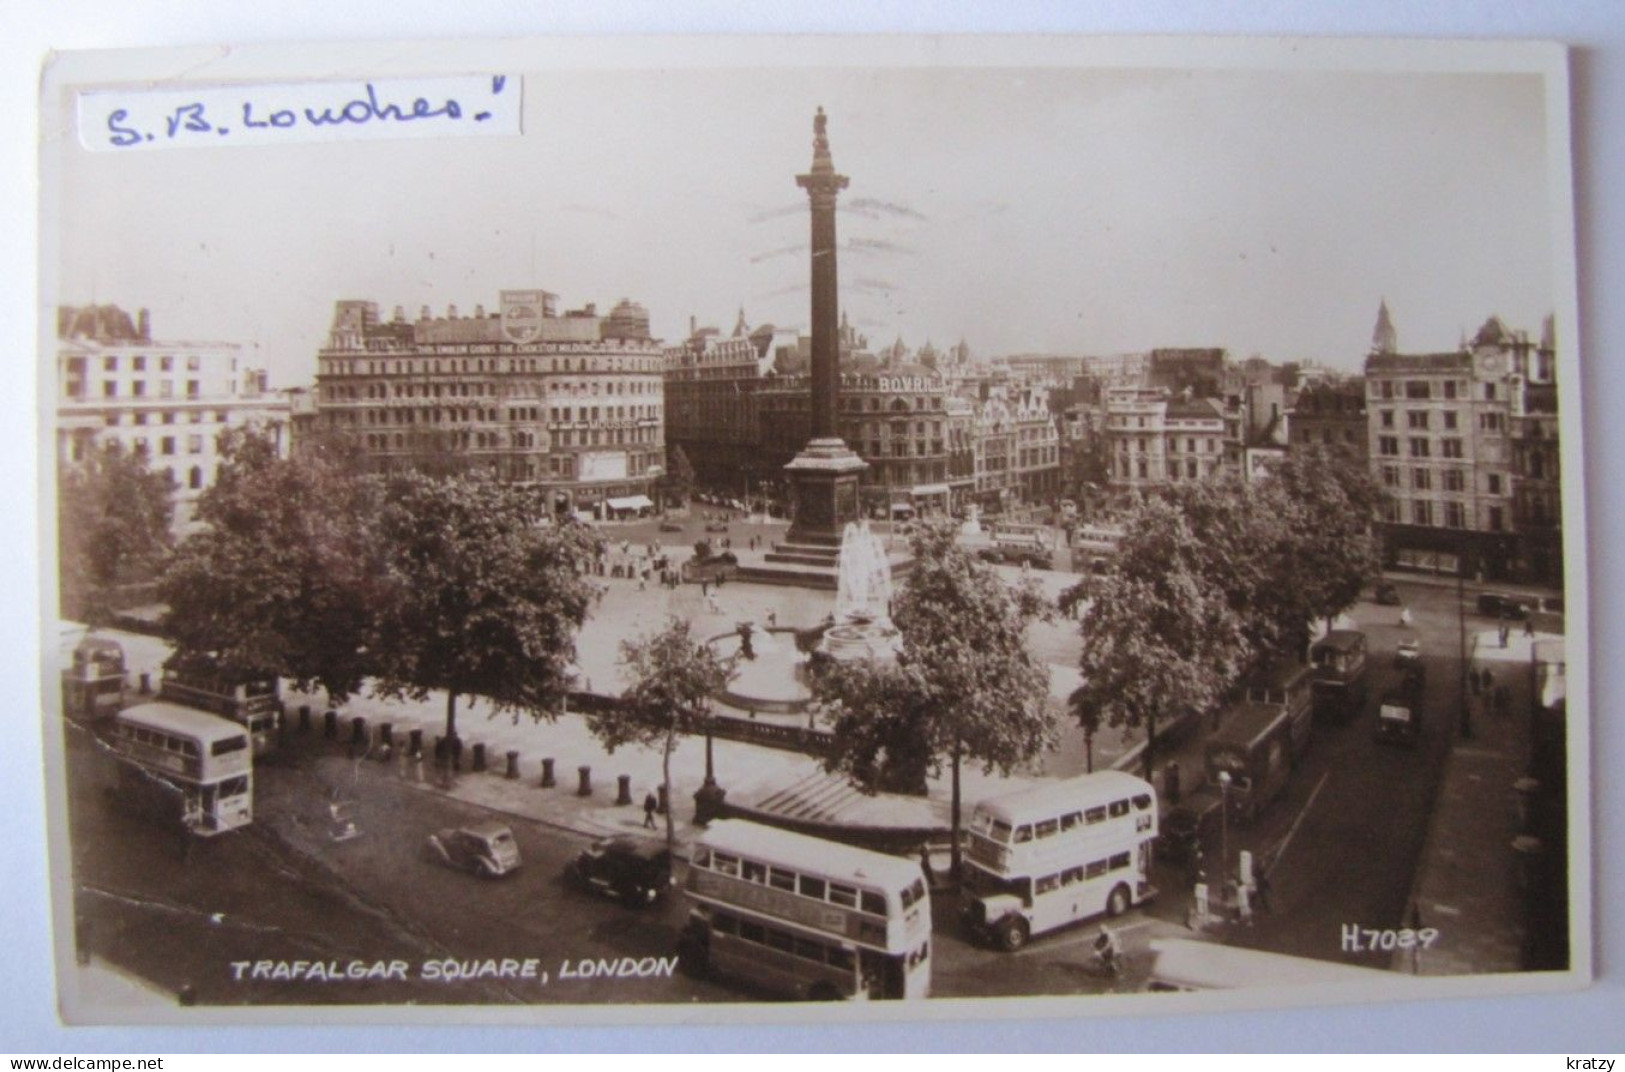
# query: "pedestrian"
[[705, 588], [772, 619], [1261, 887], [1405, 617], [1506, 631], [649, 806], [1529, 626]]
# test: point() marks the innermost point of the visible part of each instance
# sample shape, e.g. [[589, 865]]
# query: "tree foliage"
[[113, 528], [1216, 578], [673, 677], [482, 597], [965, 685], [1160, 637], [286, 574]]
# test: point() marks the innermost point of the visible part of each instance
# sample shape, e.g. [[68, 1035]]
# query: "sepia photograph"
[[699, 529]]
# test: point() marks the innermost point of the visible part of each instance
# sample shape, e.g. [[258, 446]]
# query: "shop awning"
[[929, 489], [631, 502]]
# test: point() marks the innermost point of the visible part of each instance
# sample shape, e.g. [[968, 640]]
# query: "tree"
[[484, 598], [1161, 635], [965, 685], [673, 679], [286, 573], [1334, 507], [113, 519]]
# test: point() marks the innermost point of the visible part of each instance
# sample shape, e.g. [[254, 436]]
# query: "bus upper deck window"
[[1024, 834], [812, 887], [1143, 801], [1119, 808], [702, 857], [228, 745], [1095, 815], [1071, 819], [1048, 828], [872, 903], [1000, 831], [780, 879], [845, 896], [751, 871], [728, 865]]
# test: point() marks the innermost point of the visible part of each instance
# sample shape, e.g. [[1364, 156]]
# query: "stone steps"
[[816, 797]]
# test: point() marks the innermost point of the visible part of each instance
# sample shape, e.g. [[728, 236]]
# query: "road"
[[1347, 833]]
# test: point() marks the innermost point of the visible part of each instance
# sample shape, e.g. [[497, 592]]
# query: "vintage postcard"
[[636, 530]]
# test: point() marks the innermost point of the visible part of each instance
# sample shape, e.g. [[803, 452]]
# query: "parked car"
[[487, 849], [1503, 605], [670, 526], [716, 526], [1386, 595], [635, 871], [1408, 652]]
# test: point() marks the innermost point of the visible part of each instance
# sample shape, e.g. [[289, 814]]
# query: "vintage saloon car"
[[486, 849], [634, 870]]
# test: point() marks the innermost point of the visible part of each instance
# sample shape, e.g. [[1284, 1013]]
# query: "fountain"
[[863, 628]]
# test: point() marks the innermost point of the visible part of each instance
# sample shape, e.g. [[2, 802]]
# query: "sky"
[[1068, 211]]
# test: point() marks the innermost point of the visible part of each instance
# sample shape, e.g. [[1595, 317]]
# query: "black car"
[[1387, 595], [1502, 605], [634, 870]]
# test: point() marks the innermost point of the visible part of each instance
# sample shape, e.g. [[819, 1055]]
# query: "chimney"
[[424, 314], [400, 314], [693, 325], [143, 325], [451, 311]]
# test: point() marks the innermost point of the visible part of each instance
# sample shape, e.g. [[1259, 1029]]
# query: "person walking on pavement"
[[1405, 617], [1261, 886], [649, 806]]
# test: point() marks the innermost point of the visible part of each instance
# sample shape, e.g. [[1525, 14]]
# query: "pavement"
[[1468, 879]]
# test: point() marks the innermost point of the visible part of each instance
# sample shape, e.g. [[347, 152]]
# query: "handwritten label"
[[128, 120]]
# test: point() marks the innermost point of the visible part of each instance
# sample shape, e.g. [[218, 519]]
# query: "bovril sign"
[[904, 383]]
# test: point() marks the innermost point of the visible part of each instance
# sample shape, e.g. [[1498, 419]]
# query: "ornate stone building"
[[572, 403], [169, 400]]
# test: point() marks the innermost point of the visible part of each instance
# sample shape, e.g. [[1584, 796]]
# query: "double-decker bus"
[[93, 687], [1055, 854], [1262, 739], [806, 917], [253, 701], [1340, 678], [185, 764]]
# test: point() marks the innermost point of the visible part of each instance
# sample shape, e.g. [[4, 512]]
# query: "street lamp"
[[1224, 829]]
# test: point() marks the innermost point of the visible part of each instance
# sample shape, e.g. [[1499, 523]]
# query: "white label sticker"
[[126, 120]]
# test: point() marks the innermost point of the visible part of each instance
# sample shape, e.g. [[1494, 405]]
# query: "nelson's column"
[[824, 476]]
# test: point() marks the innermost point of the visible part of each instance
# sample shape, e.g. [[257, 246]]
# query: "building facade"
[[167, 400], [572, 404], [1331, 416], [1152, 440], [1440, 441]]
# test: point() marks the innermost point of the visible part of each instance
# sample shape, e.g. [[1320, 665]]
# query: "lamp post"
[[1224, 830]]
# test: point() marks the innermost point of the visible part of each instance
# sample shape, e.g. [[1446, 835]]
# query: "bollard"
[[304, 718], [548, 781], [386, 734], [358, 730], [440, 753], [585, 788], [479, 757], [664, 801], [454, 748], [414, 745], [330, 724], [623, 789], [513, 765], [146, 683]]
